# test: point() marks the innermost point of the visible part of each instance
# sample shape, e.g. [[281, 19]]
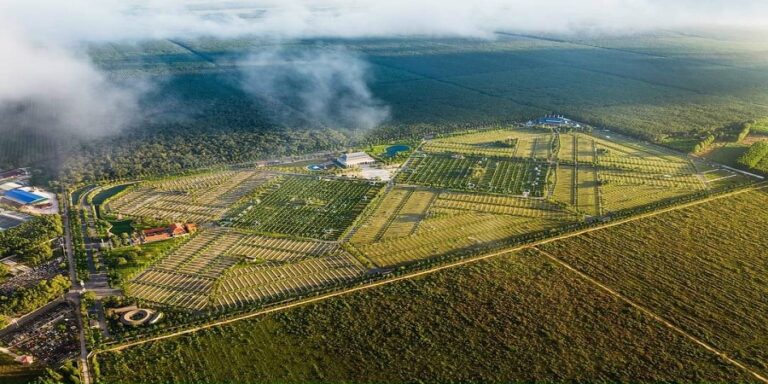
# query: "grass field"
[[702, 268], [516, 317]]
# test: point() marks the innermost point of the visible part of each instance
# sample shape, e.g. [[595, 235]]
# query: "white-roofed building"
[[9, 186], [355, 158]]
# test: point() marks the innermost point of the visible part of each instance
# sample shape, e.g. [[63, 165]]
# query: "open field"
[[197, 198], [224, 267], [305, 207], [702, 268], [515, 317]]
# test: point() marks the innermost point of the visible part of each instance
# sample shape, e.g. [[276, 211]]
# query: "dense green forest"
[[28, 299], [516, 317], [672, 88], [32, 241]]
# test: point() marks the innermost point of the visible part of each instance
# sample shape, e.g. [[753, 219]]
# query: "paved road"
[[74, 295]]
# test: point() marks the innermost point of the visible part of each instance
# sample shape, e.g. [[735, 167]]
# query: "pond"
[[393, 150]]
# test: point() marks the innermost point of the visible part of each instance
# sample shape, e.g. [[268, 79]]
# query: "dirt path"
[[653, 315], [412, 275]]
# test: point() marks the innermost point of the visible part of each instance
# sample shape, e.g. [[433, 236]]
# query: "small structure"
[[140, 316], [13, 174], [554, 120], [9, 186], [25, 359], [169, 232], [348, 160]]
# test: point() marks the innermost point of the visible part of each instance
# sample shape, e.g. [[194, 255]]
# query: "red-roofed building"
[[165, 233]]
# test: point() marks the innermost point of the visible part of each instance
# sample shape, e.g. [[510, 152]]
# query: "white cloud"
[[41, 39]]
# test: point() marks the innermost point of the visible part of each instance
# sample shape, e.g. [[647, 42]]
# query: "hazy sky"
[[42, 63]]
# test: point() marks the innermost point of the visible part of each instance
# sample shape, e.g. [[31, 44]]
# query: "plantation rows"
[[690, 182], [174, 290], [486, 175], [408, 215], [463, 206], [282, 250], [187, 275], [306, 207], [618, 197], [497, 143], [203, 255], [470, 149], [447, 233], [263, 284], [646, 165], [191, 198], [632, 148]]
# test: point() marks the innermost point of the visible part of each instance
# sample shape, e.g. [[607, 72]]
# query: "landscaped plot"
[[511, 142], [264, 283], [411, 223], [712, 285], [305, 207], [197, 198], [224, 267], [492, 174]]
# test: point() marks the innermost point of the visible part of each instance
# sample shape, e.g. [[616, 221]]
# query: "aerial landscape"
[[199, 191]]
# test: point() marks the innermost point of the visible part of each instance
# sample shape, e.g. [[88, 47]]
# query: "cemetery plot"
[[266, 283], [497, 175], [305, 207], [221, 266], [197, 198], [413, 223]]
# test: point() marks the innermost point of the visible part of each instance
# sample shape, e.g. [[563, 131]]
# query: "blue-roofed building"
[[21, 197]]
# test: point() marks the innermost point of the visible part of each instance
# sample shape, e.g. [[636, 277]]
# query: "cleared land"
[[197, 198], [702, 268], [518, 317]]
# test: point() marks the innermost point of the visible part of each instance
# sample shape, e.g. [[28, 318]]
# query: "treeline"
[[704, 144], [177, 150], [25, 300], [32, 240], [756, 156]]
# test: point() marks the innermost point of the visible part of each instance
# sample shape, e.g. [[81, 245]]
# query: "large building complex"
[[348, 160]]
